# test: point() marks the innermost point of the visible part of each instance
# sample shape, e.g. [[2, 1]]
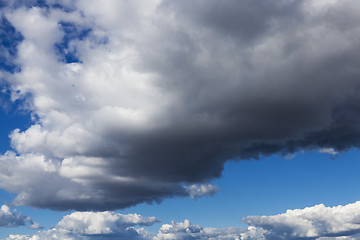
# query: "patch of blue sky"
[[37, 3], [24, 3], [9, 40], [46, 218], [64, 49], [53, 5], [22, 230], [41, 3], [268, 186], [12, 114], [6, 198]]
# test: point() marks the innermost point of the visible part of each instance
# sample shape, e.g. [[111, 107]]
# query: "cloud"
[[311, 223], [330, 151], [94, 225], [110, 225], [186, 230], [196, 191], [9, 218], [136, 101], [80, 183], [317, 222]]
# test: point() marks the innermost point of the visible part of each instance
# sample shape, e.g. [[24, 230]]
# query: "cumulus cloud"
[[186, 230], [80, 183], [136, 101], [94, 225], [10, 218], [110, 225], [317, 222]]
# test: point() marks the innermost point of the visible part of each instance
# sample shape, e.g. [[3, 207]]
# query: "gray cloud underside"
[[164, 93], [9, 218], [317, 222]]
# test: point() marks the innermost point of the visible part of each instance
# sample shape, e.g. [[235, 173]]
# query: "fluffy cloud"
[[317, 222], [91, 225], [311, 223], [136, 101], [80, 183], [186, 230], [110, 225], [9, 218]]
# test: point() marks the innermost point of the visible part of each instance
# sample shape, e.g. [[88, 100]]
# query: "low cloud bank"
[[310, 223], [317, 222], [95, 225]]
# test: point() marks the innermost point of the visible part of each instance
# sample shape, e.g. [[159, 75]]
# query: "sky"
[[160, 119]]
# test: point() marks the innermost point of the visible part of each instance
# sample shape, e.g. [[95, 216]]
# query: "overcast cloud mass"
[[137, 101]]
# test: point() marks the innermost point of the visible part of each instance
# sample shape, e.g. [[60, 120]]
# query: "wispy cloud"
[[330, 151]]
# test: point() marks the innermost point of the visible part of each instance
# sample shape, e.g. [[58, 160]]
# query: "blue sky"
[[179, 119]]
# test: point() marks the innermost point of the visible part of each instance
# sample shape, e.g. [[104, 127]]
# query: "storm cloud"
[[137, 101]]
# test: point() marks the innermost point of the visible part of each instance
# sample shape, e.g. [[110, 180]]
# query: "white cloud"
[[186, 230], [109, 225], [317, 222], [10, 218], [310, 223], [91, 223], [196, 191], [94, 225]]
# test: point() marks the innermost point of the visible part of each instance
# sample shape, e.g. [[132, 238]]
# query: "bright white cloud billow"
[[318, 222], [137, 101], [311, 223], [186, 230], [95, 225]]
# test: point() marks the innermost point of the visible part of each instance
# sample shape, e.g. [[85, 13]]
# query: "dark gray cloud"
[[158, 95], [244, 20]]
